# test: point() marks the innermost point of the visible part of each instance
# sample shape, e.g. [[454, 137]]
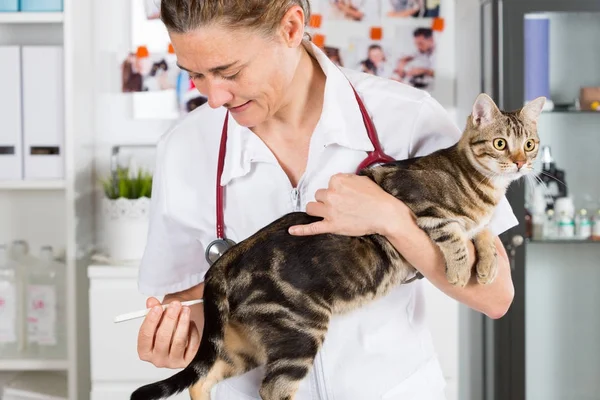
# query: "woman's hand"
[[354, 205], [170, 338]]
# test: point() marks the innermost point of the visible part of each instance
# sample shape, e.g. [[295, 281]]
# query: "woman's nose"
[[217, 94]]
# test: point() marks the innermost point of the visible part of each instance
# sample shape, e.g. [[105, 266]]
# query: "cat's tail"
[[216, 315]]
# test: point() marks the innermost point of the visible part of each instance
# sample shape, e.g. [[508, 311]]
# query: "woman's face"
[[240, 69]]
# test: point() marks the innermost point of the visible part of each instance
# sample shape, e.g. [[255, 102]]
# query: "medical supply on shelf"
[[45, 293], [11, 311]]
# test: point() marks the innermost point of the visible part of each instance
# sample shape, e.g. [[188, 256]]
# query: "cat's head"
[[502, 144]]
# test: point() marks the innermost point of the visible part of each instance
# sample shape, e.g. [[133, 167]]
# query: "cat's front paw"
[[458, 274], [487, 265]]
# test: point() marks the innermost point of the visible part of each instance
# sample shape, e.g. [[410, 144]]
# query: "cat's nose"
[[520, 164]]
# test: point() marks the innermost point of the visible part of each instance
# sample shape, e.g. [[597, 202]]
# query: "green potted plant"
[[125, 212]]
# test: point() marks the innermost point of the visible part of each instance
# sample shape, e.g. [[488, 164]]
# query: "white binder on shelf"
[[11, 156], [43, 112]]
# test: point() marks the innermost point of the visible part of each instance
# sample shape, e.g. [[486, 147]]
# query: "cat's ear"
[[533, 109], [484, 110]]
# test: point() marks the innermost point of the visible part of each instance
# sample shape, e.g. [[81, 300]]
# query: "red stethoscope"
[[220, 245]]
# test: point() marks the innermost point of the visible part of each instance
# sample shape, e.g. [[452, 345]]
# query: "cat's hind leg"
[[452, 241], [240, 356], [487, 262], [219, 371], [291, 357]]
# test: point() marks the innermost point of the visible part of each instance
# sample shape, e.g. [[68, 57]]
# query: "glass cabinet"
[[547, 346]]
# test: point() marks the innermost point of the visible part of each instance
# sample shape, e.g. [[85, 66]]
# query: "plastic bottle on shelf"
[[538, 213], [11, 311], [19, 252], [550, 225], [565, 217], [583, 225], [46, 322], [596, 226]]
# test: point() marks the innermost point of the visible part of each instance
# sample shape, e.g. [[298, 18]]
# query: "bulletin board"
[[394, 39]]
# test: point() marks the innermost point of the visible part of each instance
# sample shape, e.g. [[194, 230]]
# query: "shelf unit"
[[31, 17], [562, 241], [60, 212], [33, 185], [34, 365]]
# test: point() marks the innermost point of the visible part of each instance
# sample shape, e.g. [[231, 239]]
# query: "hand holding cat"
[[353, 205]]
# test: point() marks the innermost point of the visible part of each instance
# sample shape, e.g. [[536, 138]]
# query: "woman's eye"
[[499, 144], [530, 145], [231, 77]]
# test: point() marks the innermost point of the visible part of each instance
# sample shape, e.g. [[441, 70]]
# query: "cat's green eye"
[[499, 144], [530, 145]]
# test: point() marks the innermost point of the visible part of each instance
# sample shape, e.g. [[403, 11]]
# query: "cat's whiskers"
[[555, 178]]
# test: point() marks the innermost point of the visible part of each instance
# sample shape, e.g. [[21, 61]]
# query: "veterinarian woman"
[[295, 136]]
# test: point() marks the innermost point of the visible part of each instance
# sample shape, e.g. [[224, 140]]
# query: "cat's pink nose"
[[520, 164]]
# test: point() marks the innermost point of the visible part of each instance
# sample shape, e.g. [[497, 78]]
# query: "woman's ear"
[[292, 26]]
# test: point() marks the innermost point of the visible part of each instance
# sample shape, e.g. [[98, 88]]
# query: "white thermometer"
[[143, 313]]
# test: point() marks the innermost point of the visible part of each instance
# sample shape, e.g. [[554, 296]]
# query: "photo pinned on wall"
[[414, 57], [410, 8], [335, 55], [143, 71], [152, 9], [350, 10], [371, 56]]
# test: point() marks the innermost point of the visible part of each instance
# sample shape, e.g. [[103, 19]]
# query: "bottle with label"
[[550, 226], [19, 252], [583, 225], [46, 323], [11, 313], [538, 214], [565, 217], [596, 226]]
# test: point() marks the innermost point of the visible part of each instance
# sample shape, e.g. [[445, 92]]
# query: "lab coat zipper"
[[296, 199]]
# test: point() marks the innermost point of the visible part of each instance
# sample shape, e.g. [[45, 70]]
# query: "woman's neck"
[[303, 102]]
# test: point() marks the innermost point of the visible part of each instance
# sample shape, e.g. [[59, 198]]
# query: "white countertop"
[[112, 271]]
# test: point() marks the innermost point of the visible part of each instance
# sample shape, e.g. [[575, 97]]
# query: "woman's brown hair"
[[182, 16]]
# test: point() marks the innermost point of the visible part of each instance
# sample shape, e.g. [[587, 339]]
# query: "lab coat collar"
[[341, 123]]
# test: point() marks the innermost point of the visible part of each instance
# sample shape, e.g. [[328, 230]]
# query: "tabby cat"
[[269, 299]]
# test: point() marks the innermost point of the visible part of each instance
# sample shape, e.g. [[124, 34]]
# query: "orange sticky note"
[[319, 40], [437, 24], [376, 33], [142, 51], [315, 21]]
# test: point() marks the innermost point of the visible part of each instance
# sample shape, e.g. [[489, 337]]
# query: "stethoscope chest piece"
[[217, 248]]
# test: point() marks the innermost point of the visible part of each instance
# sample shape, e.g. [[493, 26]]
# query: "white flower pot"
[[126, 227]]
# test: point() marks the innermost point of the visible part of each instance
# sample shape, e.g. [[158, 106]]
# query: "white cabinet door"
[[116, 369]]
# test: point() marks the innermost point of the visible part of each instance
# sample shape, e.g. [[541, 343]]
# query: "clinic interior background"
[[105, 127]]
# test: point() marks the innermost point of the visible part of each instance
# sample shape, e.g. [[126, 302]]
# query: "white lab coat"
[[381, 351]]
